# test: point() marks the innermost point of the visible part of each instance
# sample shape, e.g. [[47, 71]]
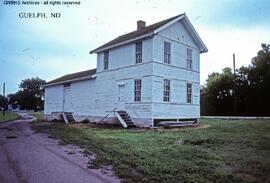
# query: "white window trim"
[[170, 53], [134, 91], [166, 90], [106, 52], [138, 52], [189, 60], [191, 96]]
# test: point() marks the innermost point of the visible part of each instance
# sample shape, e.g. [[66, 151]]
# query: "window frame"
[[137, 90], [66, 85], [167, 52], [106, 60], [166, 90], [138, 52], [189, 93], [189, 58]]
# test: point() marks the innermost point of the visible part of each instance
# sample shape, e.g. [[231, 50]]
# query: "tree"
[[30, 93], [260, 79], [252, 86], [3, 102], [14, 100], [216, 95]]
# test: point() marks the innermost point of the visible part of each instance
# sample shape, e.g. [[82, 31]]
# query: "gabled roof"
[[78, 76], [134, 34], [149, 31]]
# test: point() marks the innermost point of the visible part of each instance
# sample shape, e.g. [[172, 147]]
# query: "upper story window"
[[167, 52], [189, 58], [166, 90], [67, 85], [138, 52], [137, 90], [106, 60], [189, 92]]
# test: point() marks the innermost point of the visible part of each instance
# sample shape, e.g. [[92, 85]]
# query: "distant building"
[[146, 75]]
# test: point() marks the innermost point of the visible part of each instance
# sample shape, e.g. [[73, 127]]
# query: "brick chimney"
[[140, 24]]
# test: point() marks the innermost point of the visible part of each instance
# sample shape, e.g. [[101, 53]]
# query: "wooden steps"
[[68, 117], [125, 119]]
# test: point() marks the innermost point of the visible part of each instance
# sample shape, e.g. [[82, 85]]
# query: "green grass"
[[227, 151], [38, 115], [9, 116]]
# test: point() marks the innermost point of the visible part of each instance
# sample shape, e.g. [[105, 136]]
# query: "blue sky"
[[49, 48]]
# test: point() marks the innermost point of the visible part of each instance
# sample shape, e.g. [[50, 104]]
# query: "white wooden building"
[[152, 73]]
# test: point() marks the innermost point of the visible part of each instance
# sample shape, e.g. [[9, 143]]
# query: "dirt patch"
[[179, 142], [5, 128], [184, 128], [10, 135], [80, 125], [93, 125], [138, 129]]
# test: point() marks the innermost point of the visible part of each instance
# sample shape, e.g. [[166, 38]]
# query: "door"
[[121, 97], [67, 99]]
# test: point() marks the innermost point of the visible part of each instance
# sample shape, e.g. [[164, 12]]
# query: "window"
[[137, 90], [189, 92], [106, 60], [189, 58], [167, 52], [67, 85], [166, 90], [139, 52]]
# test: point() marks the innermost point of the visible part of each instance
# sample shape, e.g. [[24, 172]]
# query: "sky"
[[52, 47]]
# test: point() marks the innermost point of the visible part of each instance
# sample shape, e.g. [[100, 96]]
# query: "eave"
[[71, 81]]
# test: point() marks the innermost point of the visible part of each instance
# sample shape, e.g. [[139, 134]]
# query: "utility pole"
[[4, 93], [234, 88]]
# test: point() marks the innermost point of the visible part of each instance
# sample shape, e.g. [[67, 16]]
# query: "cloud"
[[54, 47], [245, 43]]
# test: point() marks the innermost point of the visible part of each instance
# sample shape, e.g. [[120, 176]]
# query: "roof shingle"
[[73, 76], [137, 33]]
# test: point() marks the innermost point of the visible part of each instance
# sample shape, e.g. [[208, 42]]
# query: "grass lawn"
[[38, 115], [227, 151], [9, 116]]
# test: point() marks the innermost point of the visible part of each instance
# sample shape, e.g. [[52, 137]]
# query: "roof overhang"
[[189, 26], [122, 43], [71, 81], [182, 17]]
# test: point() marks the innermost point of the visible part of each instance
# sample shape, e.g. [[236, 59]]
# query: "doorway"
[[121, 97], [67, 98]]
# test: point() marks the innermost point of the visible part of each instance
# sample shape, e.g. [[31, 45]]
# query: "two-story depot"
[[143, 76]]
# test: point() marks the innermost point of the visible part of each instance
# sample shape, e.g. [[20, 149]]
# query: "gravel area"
[[27, 157]]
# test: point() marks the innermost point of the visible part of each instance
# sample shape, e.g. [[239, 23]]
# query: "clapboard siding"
[[109, 81], [178, 32], [82, 97], [178, 90], [53, 99], [96, 97], [124, 56], [177, 72], [180, 40], [173, 111]]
